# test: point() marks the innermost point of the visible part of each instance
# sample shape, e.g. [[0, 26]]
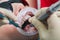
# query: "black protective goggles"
[[6, 5]]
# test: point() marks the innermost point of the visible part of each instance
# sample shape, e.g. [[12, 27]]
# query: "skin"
[[17, 7], [9, 32], [52, 33], [25, 17]]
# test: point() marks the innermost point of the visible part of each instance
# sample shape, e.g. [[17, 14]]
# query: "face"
[[29, 28], [26, 25], [23, 18]]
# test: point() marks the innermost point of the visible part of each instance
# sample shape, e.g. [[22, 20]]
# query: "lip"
[[24, 32], [23, 17]]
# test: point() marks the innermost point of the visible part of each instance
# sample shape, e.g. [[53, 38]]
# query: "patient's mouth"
[[25, 24], [28, 27]]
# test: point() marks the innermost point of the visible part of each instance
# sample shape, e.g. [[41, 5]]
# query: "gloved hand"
[[53, 31]]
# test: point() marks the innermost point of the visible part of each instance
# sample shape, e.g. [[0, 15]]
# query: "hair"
[[25, 3]]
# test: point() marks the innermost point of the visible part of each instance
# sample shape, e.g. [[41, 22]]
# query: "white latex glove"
[[53, 31]]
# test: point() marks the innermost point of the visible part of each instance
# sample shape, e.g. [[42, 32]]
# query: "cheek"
[[17, 7]]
